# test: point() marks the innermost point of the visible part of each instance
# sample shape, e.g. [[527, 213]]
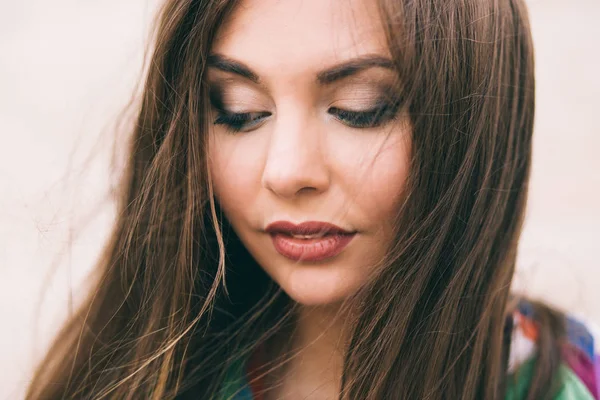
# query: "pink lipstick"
[[308, 241]]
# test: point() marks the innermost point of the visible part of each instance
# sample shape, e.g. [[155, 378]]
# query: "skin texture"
[[301, 163]]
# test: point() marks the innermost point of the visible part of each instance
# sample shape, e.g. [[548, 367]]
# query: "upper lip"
[[305, 228]]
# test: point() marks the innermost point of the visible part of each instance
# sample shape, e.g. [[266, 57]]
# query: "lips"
[[308, 241], [305, 228]]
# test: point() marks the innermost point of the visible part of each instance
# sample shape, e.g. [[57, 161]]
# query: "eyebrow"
[[325, 77]]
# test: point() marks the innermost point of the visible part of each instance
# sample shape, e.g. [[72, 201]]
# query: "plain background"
[[67, 67]]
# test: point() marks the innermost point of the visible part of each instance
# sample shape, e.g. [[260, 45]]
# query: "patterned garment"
[[580, 369]]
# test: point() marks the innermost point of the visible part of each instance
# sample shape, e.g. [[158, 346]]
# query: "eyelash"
[[238, 122], [365, 119]]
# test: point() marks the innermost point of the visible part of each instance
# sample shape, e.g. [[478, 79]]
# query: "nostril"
[[307, 189]]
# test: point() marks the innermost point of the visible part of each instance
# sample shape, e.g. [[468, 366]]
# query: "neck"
[[317, 345]]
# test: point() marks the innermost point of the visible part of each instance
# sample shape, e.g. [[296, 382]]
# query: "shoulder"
[[579, 371]]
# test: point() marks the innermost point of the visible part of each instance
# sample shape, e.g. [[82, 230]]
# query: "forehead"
[[296, 37]]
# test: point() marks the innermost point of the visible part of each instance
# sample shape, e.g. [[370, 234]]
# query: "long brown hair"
[[178, 298]]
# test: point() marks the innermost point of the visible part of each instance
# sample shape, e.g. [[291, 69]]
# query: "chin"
[[317, 285], [312, 299]]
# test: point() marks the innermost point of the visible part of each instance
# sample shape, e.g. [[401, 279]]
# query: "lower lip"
[[310, 249]]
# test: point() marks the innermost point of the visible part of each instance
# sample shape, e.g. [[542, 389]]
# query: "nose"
[[295, 161]]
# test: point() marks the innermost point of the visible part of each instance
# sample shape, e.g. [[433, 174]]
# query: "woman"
[[324, 200]]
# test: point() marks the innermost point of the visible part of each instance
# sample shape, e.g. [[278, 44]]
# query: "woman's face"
[[304, 130]]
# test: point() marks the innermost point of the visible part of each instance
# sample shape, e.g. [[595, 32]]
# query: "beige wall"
[[66, 67]]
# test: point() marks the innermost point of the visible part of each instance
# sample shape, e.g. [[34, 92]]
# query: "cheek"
[[228, 155], [376, 182]]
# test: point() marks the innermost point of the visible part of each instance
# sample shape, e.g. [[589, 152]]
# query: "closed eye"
[[364, 119], [243, 122], [238, 122]]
